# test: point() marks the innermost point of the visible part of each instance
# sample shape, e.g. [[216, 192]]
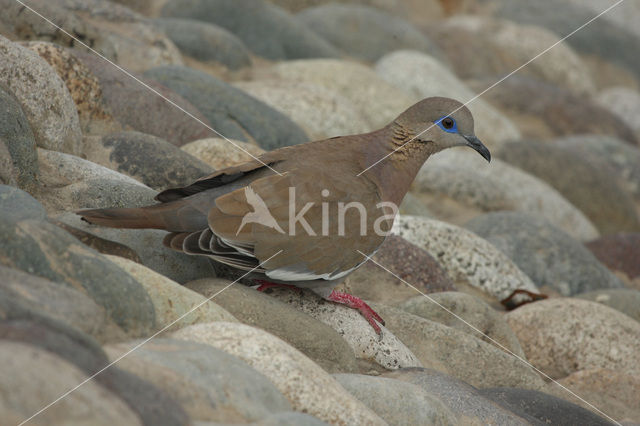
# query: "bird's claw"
[[356, 303]]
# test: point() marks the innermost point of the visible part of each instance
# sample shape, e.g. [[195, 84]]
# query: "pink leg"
[[356, 303], [264, 285]]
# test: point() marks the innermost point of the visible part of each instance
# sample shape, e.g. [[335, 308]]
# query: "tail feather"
[[183, 215], [140, 217]]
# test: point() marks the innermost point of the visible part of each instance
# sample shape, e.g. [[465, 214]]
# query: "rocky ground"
[[555, 213]]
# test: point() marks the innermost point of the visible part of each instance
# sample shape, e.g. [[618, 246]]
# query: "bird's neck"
[[403, 158]]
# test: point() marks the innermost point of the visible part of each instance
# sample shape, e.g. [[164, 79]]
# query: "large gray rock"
[[290, 418], [18, 139], [232, 112], [205, 42], [396, 401], [27, 296], [113, 30], [623, 159], [585, 182], [41, 248], [45, 100], [8, 173], [556, 111], [71, 183], [265, 28], [624, 15], [543, 407], [151, 404], [623, 102], [458, 185], [146, 158], [210, 384], [316, 340], [366, 33], [549, 256], [136, 106], [417, 12], [33, 377], [17, 205], [465, 401], [625, 300]]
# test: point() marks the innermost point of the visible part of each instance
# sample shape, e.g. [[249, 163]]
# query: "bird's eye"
[[447, 124]]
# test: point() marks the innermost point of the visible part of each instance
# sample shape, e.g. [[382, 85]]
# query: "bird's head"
[[442, 122]]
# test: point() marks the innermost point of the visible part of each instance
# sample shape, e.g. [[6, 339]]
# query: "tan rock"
[[458, 353], [171, 300], [564, 335], [376, 99], [313, 338], [472, 310], [322, 113], [614, 392], [309, 388], [220, 153]]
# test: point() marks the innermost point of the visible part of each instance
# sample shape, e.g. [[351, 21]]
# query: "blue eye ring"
[[448, 124]]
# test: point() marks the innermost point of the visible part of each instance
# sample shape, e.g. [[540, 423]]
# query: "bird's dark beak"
[[475, 143]]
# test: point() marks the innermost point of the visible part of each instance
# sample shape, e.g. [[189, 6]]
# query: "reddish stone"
[[619, 252]]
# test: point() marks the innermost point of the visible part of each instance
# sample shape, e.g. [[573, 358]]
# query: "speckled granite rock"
[[465, 256], [146, 158], [384, 351], [220, 153], [43, 97], [17, 142]]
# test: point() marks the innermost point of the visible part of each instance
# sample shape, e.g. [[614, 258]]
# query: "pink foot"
[[356, 303], [264, 285]]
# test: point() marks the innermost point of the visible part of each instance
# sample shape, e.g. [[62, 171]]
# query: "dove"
[[306, 215]]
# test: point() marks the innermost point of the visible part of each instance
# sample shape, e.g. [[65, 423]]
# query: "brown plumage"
[[211, 216]]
